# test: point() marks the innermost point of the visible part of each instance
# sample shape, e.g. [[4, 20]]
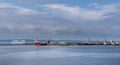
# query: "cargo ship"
[[38, 43]]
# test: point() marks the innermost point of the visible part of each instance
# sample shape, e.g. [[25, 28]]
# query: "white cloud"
[[26, 11], [8, 9], [94, 4], [13, 27], [100, 12]]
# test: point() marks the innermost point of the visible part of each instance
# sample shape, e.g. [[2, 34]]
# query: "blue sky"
[[60, 19]]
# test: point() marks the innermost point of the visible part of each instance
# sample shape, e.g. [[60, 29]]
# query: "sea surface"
[[59, 55]]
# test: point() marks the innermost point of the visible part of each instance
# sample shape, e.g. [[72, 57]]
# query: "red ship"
[[38, 43]]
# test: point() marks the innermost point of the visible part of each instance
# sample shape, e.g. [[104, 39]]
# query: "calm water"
[[59, 55]]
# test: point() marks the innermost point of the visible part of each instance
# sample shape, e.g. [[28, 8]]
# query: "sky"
[[60, 19]]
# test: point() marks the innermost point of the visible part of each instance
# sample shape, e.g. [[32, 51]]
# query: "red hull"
[[39, 43]]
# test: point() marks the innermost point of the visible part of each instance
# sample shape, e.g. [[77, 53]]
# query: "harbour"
[[39, 42], [59, 32]]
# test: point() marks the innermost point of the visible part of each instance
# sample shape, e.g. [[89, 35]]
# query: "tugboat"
[[38, 43]]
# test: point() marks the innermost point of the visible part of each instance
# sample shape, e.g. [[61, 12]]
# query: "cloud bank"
[[59, 21], [99, 13]]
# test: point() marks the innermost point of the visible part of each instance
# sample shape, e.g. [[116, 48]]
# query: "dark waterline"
[[59, 55]]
